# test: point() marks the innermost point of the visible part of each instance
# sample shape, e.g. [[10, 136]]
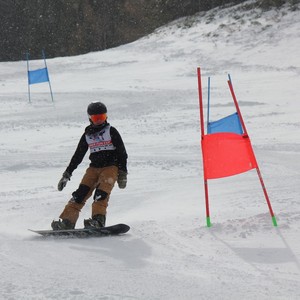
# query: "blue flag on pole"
[[230, 123], [38, 76]]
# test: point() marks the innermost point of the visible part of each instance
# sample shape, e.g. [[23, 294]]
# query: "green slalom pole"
[[274, 221], [208, 223]]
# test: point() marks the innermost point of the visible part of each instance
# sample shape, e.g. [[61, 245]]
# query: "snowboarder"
[[108, 164]]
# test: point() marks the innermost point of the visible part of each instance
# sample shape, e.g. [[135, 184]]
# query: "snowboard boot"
[[62, 225], [97, 221]]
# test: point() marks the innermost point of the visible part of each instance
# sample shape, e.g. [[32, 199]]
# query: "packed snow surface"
[[150, 89]]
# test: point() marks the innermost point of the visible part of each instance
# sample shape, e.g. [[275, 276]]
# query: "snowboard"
[[84, 232]]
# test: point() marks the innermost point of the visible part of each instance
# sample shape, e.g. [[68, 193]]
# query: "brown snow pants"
[[100, 178]]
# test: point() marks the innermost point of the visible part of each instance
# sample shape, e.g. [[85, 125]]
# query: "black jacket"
[[100, 159]]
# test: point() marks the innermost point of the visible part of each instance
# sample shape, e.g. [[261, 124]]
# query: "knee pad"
[[100, 195], [81, 193]]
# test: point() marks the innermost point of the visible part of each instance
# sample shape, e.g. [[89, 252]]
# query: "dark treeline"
[[71, 27]]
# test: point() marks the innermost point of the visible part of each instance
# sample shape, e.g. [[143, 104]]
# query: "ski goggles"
[[98, 118]]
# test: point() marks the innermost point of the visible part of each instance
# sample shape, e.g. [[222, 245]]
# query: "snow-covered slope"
[[150, 88]]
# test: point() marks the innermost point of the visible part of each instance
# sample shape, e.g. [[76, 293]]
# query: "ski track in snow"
[[150, 88]]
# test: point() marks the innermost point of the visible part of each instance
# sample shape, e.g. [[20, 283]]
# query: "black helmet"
[[96, 108]]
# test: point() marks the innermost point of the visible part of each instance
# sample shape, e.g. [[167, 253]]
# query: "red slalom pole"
[[200, 102], [208, 223], [257, 168], [237, 106]]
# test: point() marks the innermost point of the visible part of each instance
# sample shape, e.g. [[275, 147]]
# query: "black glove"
[[63, 181], [122, 179]]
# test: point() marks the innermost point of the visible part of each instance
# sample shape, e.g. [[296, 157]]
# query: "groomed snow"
[[150, 88]]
